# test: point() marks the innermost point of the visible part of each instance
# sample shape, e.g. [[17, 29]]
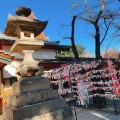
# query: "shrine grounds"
[[93, 113]]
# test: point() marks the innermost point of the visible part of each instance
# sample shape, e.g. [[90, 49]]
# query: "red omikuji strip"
[[116, 84]]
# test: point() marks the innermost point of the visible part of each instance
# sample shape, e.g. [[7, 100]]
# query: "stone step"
[[31, 98], [62, 114], [31, 84], [30, 111]]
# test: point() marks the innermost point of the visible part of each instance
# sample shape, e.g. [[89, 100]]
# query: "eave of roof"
[[47, 44], [6, 55], [54, 45], [7, 38], [5, 58], [16, 23]]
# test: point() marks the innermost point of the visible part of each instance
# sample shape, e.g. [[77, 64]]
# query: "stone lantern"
[[32, 97], [25, 29]]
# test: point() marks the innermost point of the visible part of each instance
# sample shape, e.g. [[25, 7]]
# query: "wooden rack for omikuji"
[[87, 83]]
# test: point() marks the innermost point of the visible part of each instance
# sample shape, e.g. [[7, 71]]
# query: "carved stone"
[[31, 84], [30, 111], [21, 100], [33, 99]]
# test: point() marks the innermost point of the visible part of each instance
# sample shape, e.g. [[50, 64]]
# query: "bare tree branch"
[[66, 37], [96, 16], [87, 20], [101, 11], [107, 27], [88, 10]]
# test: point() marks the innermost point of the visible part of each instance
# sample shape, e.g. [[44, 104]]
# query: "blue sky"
[[56, 12]]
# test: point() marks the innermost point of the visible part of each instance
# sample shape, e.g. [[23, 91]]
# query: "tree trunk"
[[72, 40], [97, 42]]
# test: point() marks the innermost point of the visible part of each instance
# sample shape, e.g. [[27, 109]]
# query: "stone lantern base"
[[33, 99]]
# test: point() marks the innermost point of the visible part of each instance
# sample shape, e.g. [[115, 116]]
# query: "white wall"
[[44, 54], [6, 74], [7, 50], [40, 54], [10, 70]]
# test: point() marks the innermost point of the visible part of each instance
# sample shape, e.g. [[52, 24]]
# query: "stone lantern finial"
[[23, 11]]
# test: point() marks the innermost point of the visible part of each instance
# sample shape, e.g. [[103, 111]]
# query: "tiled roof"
[[5, 58], [47, 44], [56, 45], [6, 54], [4, 37]]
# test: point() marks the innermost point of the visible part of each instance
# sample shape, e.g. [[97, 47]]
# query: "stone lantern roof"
[[16, 24], [23, 23]]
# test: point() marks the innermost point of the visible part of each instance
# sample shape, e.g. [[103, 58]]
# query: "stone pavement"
[[95, 114]]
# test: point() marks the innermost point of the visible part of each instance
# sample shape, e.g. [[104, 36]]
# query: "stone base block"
[[30, 84], [31, 98], [62, 114], [30, 111]]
